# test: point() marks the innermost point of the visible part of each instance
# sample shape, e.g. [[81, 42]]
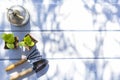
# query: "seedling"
[[28, 42], [10, 41]]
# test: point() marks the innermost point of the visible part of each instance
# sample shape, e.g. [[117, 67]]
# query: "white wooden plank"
[[70, 45], [70, 69]]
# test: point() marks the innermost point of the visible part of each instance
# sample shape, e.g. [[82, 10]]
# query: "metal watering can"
[[17, 15]]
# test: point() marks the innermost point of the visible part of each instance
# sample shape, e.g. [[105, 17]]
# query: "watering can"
[[17, 15]]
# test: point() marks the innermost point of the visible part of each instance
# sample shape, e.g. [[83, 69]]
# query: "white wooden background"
[[80, 38]]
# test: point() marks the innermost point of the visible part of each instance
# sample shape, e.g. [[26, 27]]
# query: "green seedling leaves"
[[11, 46], [27, 41], [30, 44], [9, 38], [22, 43]]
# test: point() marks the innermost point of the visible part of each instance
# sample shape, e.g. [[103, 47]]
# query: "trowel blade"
[[43, 71]]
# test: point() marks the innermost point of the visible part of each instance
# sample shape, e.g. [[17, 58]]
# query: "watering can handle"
[[15, 13], [21, 17]]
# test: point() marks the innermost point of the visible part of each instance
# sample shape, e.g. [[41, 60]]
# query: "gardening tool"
[[32, 55], [37, 67]]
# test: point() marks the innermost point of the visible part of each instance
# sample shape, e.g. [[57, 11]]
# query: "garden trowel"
[[40, 67], [32, 55]]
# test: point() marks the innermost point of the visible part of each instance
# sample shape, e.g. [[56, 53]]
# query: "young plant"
[[9, 40], [28, 42]]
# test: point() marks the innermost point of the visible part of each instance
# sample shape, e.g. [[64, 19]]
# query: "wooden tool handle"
[[12, 66], [23, 73], [21, 17]]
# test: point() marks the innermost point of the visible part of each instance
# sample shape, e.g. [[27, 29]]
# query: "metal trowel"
[[40, 67]]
